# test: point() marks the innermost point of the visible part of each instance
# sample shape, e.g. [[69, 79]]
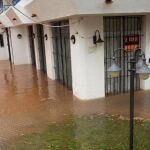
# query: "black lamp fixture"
[[108, 1], [46, 37], [34, 15], [19, 36], [97, 38], [137, 66], [73, 39], [33, 35], [14, 19]]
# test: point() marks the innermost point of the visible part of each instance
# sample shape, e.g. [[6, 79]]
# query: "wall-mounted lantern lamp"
[[97, 38], [14, 19], [73, 39], [19, 36], [108, 1], [46, 37], [149, 60], [34, 15], [33, 35]]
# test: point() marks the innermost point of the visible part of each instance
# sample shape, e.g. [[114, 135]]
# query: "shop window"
[[1, 40]]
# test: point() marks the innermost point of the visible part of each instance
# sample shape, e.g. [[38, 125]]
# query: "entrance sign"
[[130, 42]]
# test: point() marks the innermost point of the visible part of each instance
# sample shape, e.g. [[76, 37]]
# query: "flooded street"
[[29, 102]]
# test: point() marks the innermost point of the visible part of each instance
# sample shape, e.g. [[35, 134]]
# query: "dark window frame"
[[1, 40]]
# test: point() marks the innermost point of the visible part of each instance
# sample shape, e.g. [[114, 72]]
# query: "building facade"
[[57, 38]]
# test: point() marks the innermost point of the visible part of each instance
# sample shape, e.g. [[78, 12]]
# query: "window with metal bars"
[[121, 32], [1, 40], [62, 53]]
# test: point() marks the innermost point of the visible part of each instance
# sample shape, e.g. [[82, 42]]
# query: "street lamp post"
[[136, 67], [132, 75]]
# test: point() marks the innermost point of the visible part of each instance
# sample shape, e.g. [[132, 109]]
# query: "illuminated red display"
[[130, 42]]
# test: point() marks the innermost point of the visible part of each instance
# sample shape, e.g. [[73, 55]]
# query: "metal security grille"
[[41, 47], [62, 56], [117, 31], [8, 44], [31, 44]]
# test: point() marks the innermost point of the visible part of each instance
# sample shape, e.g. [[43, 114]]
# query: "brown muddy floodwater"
[[29, 102]]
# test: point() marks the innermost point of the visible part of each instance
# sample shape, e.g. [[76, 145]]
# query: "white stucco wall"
[[21, 51], [117, 7], [56, 9], [49, 53], [4, 50], [52, 9], [87, 59], [146, 47], [5, 20]]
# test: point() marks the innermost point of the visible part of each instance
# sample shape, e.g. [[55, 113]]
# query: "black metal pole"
[[8, 44], [132, 74]]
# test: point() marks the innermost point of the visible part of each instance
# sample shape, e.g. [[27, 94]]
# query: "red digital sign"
[[130, 42]]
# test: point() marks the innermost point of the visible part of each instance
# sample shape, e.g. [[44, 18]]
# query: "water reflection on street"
[[29, 101]]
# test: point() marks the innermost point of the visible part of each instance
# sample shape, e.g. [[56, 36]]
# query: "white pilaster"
[[21, 51], [87, 59], [49, 53]]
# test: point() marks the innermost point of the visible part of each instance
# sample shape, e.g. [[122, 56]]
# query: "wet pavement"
[[29, 101]]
